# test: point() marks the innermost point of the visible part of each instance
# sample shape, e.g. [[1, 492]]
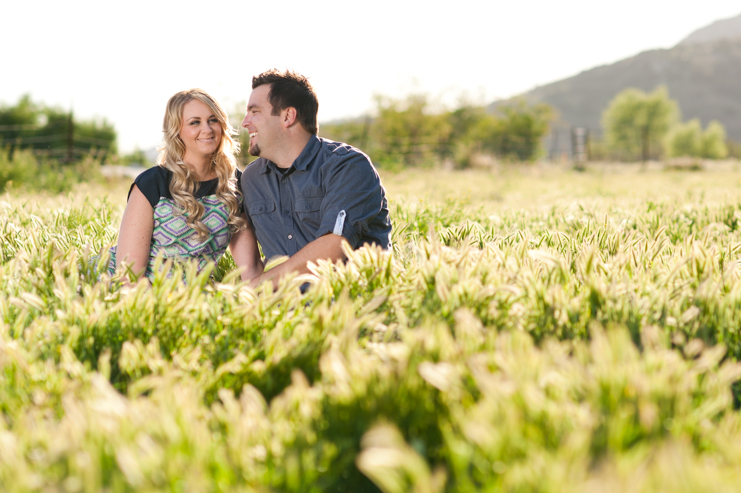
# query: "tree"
[[411, 132], [467, 125], [407, 131], [638, 122], [517, 131], [684, 139], [18, 123], [48, 130], [355, 132], [688, 139], [713, 142]]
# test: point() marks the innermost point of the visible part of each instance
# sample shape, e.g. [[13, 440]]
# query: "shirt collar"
[[302, 161], [263, 163], [307, 155]]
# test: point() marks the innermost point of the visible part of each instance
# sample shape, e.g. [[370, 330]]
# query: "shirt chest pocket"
[[261, 212], [308, 211], [261, 207]]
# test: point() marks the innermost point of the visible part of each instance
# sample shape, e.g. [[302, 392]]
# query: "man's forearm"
[[327, 247]]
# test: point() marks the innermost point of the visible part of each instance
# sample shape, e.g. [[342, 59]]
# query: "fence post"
[[70, 136], [579, 144]]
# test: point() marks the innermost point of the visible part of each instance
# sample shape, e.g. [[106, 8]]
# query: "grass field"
[[534, 329]]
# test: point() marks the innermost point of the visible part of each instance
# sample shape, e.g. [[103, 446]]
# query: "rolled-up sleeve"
[[353, 186]]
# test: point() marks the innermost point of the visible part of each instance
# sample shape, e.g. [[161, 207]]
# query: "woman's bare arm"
[[246, 254], [135, 235]]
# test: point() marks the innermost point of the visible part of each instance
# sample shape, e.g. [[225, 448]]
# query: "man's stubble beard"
[[254, 150]]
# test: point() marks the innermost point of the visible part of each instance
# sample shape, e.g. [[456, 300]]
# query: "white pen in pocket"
[[339, 224]]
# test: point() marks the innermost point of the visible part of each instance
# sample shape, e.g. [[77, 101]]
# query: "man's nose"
[[246, 120]]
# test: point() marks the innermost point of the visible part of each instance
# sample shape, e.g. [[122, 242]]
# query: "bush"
[[411, 132], [713, 145], [19, 169], [684, 139], [23, 170], [408, 131], [688, 139], [516, 133]]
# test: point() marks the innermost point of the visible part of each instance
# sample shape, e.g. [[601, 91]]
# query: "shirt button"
[[283, 180], [290, 237], [286, 212]]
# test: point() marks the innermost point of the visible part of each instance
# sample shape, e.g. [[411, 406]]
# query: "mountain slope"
[[722, 29], [703, 76]]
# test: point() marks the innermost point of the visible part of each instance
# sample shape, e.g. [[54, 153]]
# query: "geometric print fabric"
[[174, 239]]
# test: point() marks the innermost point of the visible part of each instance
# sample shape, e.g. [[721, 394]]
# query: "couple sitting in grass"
[[302, 198]]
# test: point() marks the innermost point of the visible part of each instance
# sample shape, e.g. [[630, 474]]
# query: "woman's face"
[[200, 131]]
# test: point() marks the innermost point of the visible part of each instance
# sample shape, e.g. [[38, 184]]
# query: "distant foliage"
[[235, 119], [54, 133], [734, 149], [137, 157], [684, 139], [688, 139], [407, 130], [518, 130], [636, 123], [714, 141], [23, 170], [412, 132]]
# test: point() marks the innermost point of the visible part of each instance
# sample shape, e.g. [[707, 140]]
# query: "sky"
[[122, 60]]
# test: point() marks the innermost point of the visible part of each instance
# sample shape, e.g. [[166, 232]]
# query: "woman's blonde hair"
[[183, 187]]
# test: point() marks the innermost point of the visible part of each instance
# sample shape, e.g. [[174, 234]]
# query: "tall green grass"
[[568, 347], [22, 170]]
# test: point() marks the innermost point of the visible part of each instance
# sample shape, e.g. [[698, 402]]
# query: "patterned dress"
[[172, 237]]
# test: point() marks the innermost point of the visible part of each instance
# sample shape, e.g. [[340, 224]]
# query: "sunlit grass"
[[532, 330]]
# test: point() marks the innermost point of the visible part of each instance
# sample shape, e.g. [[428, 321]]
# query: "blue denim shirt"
[[288, 211]]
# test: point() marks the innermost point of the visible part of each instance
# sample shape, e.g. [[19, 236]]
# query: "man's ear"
[[289, 116]]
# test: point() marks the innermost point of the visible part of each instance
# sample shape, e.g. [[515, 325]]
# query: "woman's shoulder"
[[154, 183], [155, 173]]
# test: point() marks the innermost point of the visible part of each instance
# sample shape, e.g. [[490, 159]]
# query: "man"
[[305, 195]]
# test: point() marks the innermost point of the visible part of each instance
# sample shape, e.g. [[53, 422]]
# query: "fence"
[[64, 143]]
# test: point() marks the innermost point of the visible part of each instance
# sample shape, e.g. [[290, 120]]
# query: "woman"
[[190, 205]]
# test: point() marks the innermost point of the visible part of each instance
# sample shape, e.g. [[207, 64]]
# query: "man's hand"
[[327, 247]]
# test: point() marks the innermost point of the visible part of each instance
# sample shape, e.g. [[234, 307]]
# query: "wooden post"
[[579, 143], [70, 138]]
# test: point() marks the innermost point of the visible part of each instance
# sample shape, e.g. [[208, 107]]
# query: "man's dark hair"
[[291, 89]]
